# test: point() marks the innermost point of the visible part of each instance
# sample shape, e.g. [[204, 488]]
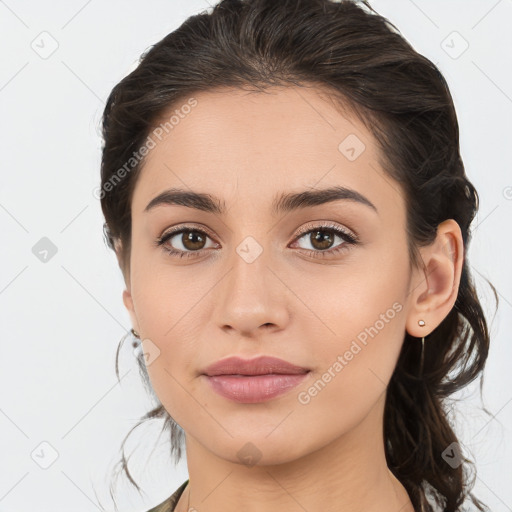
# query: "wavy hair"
[[364, 64]]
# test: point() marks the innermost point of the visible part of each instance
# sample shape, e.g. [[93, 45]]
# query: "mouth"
[[255, 380]]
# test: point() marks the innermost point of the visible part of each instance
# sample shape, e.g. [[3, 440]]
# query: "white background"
[[61, 321]]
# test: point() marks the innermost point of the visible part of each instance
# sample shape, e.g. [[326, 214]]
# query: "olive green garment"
[[170, 503]]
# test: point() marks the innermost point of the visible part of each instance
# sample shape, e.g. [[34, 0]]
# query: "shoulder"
[[170, 503]]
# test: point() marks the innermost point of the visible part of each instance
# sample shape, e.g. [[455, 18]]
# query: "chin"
[[258, 448]]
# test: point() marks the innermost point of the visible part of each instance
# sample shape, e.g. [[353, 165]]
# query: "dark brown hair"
[[360, 59]]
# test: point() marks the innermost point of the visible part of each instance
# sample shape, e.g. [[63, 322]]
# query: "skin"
[[246, 147]]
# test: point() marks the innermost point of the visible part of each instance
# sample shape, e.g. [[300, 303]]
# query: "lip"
[[262, 365], [254, 380]]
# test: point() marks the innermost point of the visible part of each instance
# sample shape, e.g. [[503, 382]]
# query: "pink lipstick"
[[253, 380]]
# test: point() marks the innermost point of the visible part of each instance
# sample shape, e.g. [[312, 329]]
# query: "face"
[[323, 285]]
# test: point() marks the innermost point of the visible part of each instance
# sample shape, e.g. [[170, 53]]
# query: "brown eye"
[[322, 239], [186, 242], [193, 240]]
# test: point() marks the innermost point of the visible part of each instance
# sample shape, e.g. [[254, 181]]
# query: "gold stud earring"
[[135, 333]]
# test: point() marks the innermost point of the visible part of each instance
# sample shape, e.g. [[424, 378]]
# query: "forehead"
[[253, 144]]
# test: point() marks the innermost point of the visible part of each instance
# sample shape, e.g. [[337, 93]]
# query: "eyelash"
[[348, 238]]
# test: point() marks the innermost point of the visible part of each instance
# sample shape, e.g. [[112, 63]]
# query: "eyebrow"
[[283, 203]]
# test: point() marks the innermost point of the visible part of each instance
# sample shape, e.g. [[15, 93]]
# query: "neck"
[[350, 473]]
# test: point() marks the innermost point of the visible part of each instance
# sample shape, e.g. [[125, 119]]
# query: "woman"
[[283, 188]]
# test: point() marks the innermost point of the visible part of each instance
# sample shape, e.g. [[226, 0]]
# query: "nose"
[[251, 298]]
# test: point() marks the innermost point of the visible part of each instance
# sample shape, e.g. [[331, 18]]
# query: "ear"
[[127, 295], [128, 303], [433, 290]]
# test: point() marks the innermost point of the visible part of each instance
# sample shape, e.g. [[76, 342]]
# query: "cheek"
[[359, 301], [354, 368], [170, 366], [167, 297], [168, 315], [360, 313]]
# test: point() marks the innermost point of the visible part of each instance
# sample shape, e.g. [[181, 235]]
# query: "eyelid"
[[303, 230], [187, 226], [325, 224]]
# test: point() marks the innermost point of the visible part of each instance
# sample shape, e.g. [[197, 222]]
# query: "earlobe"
[[435, 291], [127, 300]]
